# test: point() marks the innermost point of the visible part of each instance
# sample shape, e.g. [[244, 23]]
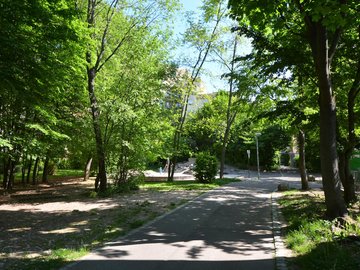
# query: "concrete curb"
[[281, 252]]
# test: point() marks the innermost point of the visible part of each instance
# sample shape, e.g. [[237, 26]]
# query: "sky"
[[212, 71]]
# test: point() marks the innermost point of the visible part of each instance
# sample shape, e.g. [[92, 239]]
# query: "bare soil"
[[36, 220]]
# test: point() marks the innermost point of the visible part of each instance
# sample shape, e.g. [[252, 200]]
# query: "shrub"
[[132, 183], [206, 167]]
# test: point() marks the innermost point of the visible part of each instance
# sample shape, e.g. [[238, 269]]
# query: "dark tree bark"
[[91, 72], [7, 174], [322, 55], [35, 171], [347, 179], [302, 164], [29, 166], [44, 178], [23, 172], [230, 117]]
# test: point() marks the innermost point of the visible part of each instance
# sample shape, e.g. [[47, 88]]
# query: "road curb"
[[281, 252]]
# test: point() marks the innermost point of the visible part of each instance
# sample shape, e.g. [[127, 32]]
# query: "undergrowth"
[[316, 242]]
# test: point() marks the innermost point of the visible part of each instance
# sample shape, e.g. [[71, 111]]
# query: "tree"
[[201, 36], [230, 112], [321, 25], [38, 75], [347, 78], [110, 29]]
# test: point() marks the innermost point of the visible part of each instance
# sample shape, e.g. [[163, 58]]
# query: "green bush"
[[206, 167]]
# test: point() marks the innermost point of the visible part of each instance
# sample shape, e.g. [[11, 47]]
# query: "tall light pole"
[[257, 153]]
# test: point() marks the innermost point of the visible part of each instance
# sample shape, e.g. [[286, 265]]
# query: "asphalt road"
[[228, 228]]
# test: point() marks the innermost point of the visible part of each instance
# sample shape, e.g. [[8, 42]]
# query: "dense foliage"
[[206, 167]]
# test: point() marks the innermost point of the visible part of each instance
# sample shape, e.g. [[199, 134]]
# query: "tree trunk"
[[302, 164], [92, 70], [335, 205], [23, 172], [44, 178], [223, 148], [346, 176], [229, 117], [97, 130], [35, 171], [29, 170], [348, 180], [349, 187], [87, 169], [7, 174]]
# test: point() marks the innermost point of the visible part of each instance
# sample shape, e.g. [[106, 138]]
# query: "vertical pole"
[[257, 154]]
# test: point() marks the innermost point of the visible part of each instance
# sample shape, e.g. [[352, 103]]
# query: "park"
[[157, 134]]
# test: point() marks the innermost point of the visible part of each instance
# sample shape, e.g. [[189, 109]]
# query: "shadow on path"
[[228, 228]]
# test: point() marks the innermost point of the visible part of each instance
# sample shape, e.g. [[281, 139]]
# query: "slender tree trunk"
[[87, 169], [9, 174], [29, 170], [97, 130], [23, 169], [178, 133], [92, 70], [35, 171], [335, 205], [349, 187], [5, 172], [302, 164], [6, 176], [23, 172], [229, 118], [348, 180], [346, 177], [44, 178], [194, 76], [9, 171]]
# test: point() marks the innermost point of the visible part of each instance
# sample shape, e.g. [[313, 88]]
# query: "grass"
[[318, 243], [66, 173], [185, 185], [118, 223], [60, 173]]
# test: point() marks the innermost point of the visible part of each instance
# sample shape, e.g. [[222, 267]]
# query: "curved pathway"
[[228, 228]]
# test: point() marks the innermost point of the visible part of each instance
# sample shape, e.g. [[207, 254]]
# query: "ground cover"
[[46, 226], [317, 243]]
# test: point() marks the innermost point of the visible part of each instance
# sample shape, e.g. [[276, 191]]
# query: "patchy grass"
[[318, 243], [104, 225], [185, 185], [66, 173], [56, 259], [60, 173]]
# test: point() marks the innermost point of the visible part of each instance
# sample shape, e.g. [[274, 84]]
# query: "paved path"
[[228, 228]]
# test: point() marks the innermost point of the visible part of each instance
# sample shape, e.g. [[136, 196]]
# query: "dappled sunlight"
[[61, 231], [262, 195], [230, 224], [20, 229]]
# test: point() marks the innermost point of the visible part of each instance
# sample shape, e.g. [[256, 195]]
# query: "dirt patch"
[[35, 221]]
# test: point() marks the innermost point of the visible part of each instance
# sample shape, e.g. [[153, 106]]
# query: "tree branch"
[[334, 43]]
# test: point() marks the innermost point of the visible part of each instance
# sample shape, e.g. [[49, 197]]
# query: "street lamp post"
[[257, 153]]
